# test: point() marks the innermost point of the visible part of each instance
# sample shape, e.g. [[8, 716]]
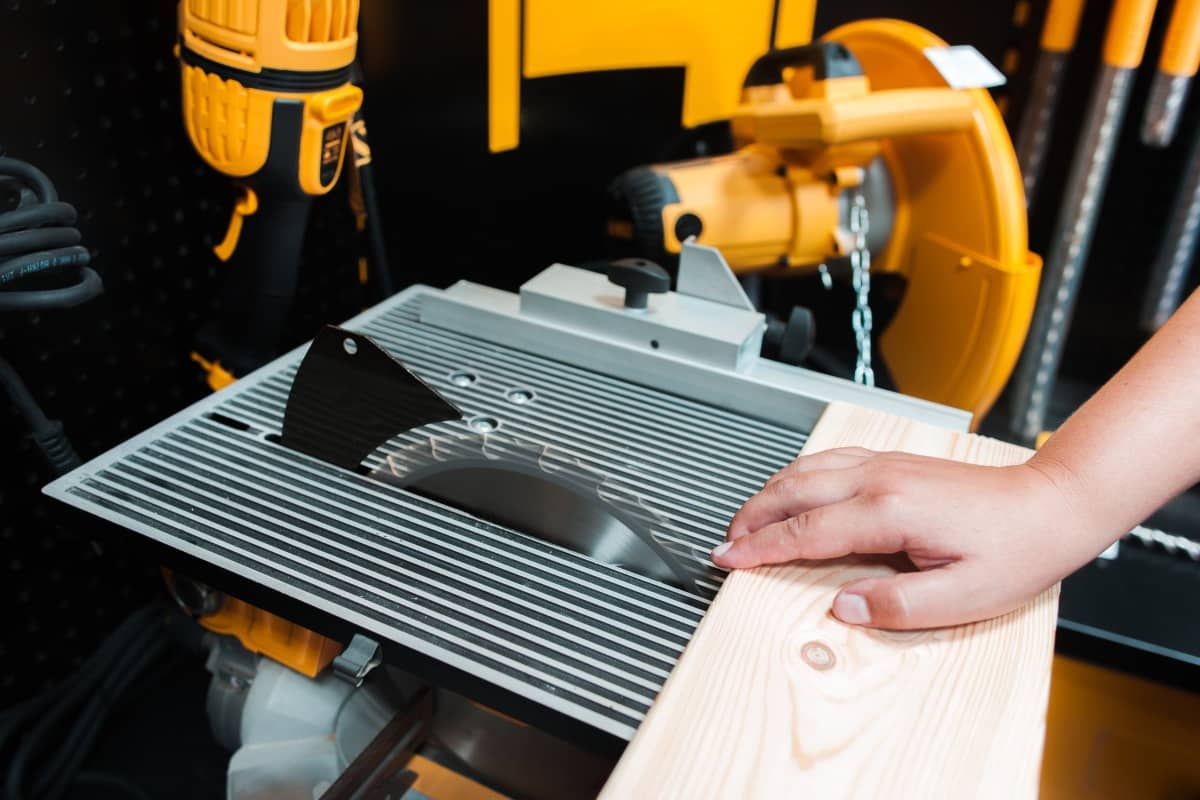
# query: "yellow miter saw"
[[856, 147]]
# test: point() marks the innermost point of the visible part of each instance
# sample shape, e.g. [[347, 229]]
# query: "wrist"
[[1075, 510]]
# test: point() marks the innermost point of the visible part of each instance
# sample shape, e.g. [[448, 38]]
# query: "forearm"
[[988, 539], [1136, 443]]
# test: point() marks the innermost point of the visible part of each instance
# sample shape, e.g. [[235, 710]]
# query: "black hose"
[[19, 394], [381, 273], [47, 711], [83, 735], [38, 239], [99, 700], [47, 434]]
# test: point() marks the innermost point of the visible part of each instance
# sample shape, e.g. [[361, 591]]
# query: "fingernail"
[[721, 550], [851, 609]]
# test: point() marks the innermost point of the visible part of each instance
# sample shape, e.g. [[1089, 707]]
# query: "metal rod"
[[1038, 367], [1037, 120], [1163, 108], [1176, 65], [1124, 45], [1177, 250]]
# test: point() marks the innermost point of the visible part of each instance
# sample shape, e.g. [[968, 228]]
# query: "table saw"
[[659, 421], [543, 548]]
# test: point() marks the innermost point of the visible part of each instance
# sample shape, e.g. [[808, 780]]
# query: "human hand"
[[984, 539]]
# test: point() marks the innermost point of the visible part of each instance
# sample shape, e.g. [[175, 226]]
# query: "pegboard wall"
[[89, 93]]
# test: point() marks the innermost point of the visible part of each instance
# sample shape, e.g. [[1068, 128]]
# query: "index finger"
[[832, 531]]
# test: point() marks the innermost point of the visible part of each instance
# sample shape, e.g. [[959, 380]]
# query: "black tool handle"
[[260, 284], [640, 279], [827, 59]]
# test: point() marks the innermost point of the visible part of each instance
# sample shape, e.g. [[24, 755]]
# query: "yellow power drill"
[[268, 100]]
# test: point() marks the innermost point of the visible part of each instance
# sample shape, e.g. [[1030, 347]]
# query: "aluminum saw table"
[[669, 411]]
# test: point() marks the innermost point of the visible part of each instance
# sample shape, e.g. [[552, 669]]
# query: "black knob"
[[791, 342], [641, 278]]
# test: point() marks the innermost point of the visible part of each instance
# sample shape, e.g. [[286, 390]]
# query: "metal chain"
[[860, 268]]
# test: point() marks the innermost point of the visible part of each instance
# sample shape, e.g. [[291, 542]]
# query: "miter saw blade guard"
[[959, 237]]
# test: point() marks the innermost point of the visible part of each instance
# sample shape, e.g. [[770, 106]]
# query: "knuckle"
[[886, 501], [890, 461], [797, 527], [784, 487]]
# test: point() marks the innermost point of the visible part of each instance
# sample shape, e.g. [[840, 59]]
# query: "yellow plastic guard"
[[972, 281], [259, 631]]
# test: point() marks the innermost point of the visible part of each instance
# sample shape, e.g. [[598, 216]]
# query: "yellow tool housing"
[[268, 101], [959, 230]]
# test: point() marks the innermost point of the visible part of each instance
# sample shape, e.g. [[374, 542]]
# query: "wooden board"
[[775, 698]]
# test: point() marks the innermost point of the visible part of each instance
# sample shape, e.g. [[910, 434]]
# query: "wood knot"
[[818, 655]]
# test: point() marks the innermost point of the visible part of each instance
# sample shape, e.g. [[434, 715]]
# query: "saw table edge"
[[774, 697]]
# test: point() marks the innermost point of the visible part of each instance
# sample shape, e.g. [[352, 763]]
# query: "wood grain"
[[775, 698]]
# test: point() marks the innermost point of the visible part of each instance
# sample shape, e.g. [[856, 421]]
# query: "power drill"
[[267, 100]]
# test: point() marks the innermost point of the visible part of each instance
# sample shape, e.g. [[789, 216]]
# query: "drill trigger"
[[246, 205]]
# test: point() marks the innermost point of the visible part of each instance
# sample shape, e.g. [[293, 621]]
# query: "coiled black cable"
[[38, 244], [47, 434], [38, 239]]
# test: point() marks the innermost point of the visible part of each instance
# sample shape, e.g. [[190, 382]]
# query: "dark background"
[[89, 92]]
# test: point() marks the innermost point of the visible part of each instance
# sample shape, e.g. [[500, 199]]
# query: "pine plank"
[[775, 698]]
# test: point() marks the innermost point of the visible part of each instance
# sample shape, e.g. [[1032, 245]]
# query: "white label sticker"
[[964, 67]]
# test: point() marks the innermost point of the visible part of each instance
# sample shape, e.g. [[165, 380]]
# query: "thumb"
[[947, 595]]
